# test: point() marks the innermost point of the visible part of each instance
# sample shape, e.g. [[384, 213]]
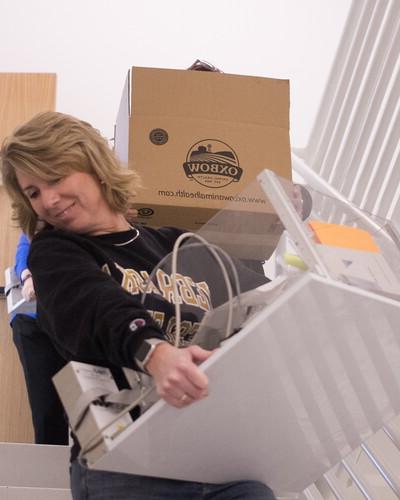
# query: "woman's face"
[[74, 203]]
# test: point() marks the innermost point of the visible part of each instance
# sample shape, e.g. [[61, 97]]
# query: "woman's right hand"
[[178, 379]]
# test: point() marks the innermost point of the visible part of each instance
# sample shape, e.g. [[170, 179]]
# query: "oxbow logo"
[[145, 212], [212, 164]]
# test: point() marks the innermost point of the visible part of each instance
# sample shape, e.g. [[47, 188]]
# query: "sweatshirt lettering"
[[189, 292]]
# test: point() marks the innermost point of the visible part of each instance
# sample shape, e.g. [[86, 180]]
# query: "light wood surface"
[[22, 95]]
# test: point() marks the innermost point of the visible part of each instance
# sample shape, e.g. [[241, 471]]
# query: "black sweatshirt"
[[89, 291]]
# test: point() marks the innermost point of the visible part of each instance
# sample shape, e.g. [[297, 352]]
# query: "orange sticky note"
[[338, 235]]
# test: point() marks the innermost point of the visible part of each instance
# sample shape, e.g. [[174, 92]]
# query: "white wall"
[[90, 44]]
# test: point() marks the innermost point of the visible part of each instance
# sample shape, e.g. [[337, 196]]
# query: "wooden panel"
[[21, 97]]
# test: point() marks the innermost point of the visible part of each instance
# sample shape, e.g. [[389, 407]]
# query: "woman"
[[40, 361], [88, 265]]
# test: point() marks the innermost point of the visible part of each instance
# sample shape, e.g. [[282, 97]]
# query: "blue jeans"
[[89, 484], [40, 361]]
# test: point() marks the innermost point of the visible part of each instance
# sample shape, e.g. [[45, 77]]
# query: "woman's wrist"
[[145, 352], [157, 356], [25, 275]]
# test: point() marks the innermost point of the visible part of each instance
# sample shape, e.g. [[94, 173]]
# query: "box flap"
[[121, 129], [212, 96]]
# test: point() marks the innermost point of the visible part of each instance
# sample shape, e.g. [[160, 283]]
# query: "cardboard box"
[[198, 139]]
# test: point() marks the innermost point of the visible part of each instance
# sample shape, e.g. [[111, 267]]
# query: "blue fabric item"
[[21, 255], [100, 485]]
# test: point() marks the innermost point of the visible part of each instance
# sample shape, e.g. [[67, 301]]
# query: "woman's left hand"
[[177, 377], [28, 291]]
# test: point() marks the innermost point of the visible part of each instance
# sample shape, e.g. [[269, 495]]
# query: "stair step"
[[15, 493], [34, 466]]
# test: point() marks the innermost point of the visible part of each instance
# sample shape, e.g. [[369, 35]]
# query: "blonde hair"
[[52, 145]]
